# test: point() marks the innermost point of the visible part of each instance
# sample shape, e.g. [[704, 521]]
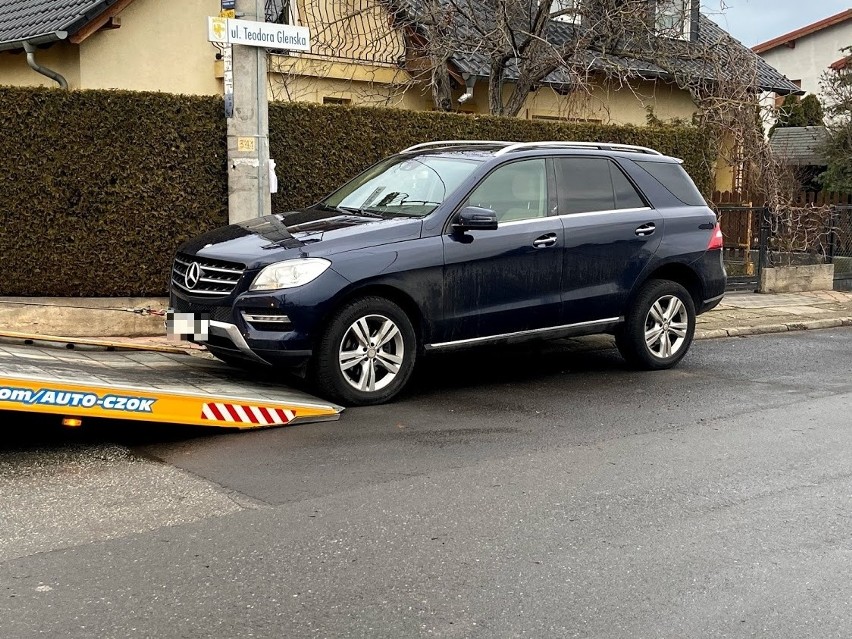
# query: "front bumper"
[[242, 325], [271, 349], [224, 331]]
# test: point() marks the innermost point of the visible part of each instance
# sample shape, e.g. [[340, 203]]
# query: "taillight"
[[716, 240]]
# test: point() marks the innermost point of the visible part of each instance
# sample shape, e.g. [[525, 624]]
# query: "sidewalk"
[[139, 320], [755, 313]]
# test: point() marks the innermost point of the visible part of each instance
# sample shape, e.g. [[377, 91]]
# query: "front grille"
[[216, 278], [215, 313]]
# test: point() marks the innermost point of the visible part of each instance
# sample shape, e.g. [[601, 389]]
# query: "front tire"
[[659, 326], [366, 354]]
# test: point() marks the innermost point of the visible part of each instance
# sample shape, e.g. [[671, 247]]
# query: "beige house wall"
[[603, 103], [61, 57], [338, 91], [161, 46], [308, 79]]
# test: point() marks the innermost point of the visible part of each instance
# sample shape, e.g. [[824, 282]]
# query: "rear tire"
[[366, 354], [659, 326]]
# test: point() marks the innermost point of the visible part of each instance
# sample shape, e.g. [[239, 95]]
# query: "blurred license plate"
[[187, 326]]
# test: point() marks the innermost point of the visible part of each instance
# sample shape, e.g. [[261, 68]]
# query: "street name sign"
[[258, 34]]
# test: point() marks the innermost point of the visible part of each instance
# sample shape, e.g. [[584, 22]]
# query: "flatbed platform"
[[94, 380]]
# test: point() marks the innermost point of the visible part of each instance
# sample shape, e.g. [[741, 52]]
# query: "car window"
[[585, 185], [626, 195], [675, 179], [516, 191], [412, 186]]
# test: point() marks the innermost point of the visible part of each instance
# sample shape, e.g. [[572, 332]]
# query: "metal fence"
[[758, 238], [741, 230], [840, 246]]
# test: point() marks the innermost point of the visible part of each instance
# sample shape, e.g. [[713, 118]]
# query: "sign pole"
[[248, 127], [245, 44]]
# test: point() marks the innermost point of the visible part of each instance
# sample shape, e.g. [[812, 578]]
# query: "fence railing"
[[757, 238], [840, 246], [741, 228]]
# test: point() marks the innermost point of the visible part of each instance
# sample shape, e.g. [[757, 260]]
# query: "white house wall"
[[812, 55]]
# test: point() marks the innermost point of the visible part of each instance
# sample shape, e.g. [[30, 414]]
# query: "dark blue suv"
[[455, 244]]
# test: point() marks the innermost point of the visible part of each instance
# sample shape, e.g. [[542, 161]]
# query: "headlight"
[[289, 274]]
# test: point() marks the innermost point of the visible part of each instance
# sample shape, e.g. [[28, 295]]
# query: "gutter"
[[29, 47], [45, 38]]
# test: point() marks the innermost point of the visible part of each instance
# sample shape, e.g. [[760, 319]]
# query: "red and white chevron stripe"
[[242, 414]]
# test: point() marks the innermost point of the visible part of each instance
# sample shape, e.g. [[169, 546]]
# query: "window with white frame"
[[566, 11], [673, 19]]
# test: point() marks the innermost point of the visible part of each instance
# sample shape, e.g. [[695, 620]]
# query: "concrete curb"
[[765, 329], [84, 317]]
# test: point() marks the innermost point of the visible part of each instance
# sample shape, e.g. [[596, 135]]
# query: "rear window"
[[676, 180]]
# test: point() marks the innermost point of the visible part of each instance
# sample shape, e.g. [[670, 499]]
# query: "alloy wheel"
[[371, 353], [665, 326]]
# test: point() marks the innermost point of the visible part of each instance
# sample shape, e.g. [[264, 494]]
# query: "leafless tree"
[[569, 46]]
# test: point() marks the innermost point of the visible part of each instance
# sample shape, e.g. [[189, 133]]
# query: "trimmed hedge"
[[100, 187], [316, 147]]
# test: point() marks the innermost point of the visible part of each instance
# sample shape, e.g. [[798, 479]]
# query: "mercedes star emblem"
[[193, 275]]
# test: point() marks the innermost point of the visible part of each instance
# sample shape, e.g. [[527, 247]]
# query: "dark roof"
[[799, 145], [787, 38], [43, 21], [687, 64]]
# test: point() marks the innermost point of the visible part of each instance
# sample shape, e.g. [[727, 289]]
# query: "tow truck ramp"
[[103, 380]]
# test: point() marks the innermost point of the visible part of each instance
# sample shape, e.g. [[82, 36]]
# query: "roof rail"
[[603, 146], [440, 143]]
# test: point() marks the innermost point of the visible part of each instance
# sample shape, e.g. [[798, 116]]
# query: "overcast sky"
[[756, 21]]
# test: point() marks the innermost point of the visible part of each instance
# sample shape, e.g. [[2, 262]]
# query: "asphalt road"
[[549, 493]]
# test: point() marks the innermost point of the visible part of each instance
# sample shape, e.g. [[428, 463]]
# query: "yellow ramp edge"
[[150, 405], [146, 386]]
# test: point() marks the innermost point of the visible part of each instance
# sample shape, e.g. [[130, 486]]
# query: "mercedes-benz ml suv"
[[455, 244]]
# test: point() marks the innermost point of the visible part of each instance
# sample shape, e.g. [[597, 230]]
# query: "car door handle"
[[646, 229], [545, 240]]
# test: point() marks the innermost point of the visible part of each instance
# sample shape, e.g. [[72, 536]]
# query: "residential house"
[[362, 54], [805, 54], [144, 45]]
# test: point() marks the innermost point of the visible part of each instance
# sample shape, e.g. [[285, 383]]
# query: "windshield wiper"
[[364, 212]]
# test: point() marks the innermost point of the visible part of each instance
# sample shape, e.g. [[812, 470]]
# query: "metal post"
[[248, 129], [762, 257], [832, 234]]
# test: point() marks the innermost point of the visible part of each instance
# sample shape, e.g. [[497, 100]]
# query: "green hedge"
[[318, 147], [100, 187]]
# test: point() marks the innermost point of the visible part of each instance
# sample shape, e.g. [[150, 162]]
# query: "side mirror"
[[474, 218]]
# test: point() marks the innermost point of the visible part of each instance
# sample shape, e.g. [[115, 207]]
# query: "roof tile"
[[800, 146], [709, 33], [27, 19]]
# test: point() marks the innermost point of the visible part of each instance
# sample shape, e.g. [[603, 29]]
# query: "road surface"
[[540, 493]]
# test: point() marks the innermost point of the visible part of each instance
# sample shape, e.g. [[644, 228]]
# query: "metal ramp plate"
[[148, 386]]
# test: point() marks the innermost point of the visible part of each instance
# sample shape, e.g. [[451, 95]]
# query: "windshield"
[[412, 186]]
